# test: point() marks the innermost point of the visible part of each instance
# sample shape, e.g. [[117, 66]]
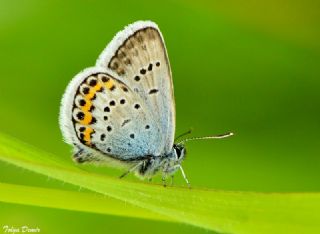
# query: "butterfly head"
[[179, 152], [171, 162]]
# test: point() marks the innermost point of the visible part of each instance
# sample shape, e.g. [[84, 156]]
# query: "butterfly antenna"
[[220, 136], [183, 134]]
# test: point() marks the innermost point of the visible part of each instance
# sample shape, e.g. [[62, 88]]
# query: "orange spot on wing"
[[109, 84], [87, 106], [87, 135], [87, 118], [93, 91], [98, 87], [91, 94]]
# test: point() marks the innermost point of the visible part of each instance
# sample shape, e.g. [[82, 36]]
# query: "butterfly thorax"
[[167, 164]]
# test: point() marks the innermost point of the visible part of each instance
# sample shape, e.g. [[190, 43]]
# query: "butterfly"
[[121, 112]]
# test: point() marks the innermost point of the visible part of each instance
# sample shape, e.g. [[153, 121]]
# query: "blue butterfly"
[[121, 112]]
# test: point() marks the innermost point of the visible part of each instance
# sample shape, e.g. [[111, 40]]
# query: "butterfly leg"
[[172, 169], [132, 169], [184, 176], [164, 182], [172, 177]]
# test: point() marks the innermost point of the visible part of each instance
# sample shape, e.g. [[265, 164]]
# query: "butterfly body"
[[121, 111], [168, 164]]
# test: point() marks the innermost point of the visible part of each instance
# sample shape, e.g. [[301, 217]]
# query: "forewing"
[[138, 56], [102, 114]]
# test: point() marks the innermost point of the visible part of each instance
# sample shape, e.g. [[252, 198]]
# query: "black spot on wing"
[[125, 122], [113, 87], [105, 79], [136, 106], [102, 137], [82, 102], [93, 120], [153, 91], [93, 82], [80, 115], [112, 103], [137, 78], [143, 71], [85, 90]]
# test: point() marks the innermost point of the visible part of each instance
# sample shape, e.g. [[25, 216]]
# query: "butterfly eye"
[[180, 151]]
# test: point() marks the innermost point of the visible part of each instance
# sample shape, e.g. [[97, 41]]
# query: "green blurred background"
[[251, 67]]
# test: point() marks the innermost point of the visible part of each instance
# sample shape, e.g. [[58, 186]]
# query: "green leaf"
[[222, 211], [72, 200]]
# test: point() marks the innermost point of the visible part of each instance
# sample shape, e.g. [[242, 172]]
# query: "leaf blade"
[[222, 211], [72, 200]]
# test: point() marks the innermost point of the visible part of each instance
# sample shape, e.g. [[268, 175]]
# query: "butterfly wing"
[[138, 56], [102, 116]]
